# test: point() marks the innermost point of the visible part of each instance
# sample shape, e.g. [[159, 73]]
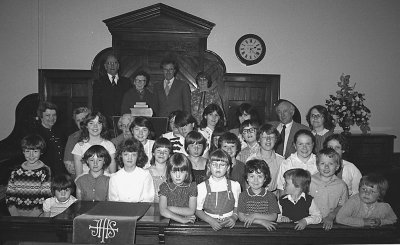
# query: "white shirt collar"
[[115, 79], [324, 131], [290, 198], [288, 125], [170, 82]]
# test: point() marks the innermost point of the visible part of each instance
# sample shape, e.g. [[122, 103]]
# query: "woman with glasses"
[[268, 138], [321, 124]]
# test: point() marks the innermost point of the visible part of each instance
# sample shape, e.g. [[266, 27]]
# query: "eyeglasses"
[[316, 116], [249, 131], [219, 165]]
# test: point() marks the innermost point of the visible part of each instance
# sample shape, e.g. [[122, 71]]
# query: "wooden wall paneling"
[[259, 90], [68, 89]]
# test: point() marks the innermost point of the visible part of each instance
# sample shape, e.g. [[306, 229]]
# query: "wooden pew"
[[202, 233], [153, 229], [149, 229]]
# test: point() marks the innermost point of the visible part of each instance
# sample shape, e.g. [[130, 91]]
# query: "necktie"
[[282, 140], [113, 83], [167, 87]]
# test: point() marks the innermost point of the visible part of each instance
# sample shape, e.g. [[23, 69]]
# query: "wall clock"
[[250, 49]]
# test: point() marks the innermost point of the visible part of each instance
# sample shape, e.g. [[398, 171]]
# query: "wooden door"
[[259, 90], [68, 89]]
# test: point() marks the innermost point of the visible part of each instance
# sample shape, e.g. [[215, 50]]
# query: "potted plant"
[[347, 107]]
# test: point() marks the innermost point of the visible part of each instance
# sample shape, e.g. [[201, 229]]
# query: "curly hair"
[[43, 106], [328, 120], [258, 166], [84, 135]]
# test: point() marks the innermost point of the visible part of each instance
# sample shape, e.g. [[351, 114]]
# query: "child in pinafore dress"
[[217, 198], [178, 195]]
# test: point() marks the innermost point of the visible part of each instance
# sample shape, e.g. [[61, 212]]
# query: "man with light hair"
[[286, 127]]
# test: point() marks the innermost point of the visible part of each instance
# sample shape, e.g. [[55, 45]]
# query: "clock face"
[[250, 49]]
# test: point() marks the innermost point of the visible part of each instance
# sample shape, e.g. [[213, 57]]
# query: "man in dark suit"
[[171, 94], [109, 90], [285, 111]]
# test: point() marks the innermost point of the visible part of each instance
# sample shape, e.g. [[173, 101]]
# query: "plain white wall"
[[309, 42]]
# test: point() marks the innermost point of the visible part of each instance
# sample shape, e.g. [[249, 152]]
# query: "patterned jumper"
[[262, 203], [27, 189]]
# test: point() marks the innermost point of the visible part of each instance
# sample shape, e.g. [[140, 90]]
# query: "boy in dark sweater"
[[295, 205]]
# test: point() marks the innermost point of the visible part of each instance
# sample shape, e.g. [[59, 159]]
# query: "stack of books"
[[141, 109]]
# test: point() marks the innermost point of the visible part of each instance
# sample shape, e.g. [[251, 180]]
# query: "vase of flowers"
[[347, 107]]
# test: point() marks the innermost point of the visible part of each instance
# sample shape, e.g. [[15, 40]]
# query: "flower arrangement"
[[347, 106]]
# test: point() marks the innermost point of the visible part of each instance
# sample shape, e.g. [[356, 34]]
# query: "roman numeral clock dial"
[[250, 49]]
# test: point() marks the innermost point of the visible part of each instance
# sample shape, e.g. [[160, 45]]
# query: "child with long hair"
[[93, 186], [161, 151], [218, 196], [131, 183], [94, 132], [178, 195], [213, 117], [142, 130], [256, 204], [62, 187], [367, 207], [321, 123], [195, 144], [29, 183]]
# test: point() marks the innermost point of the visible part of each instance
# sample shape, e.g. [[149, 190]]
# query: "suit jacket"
[[132, 96], [106, 98], [289, 146], [179, 98]]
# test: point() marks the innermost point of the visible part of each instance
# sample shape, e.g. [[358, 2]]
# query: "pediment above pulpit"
[[157, 19]]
